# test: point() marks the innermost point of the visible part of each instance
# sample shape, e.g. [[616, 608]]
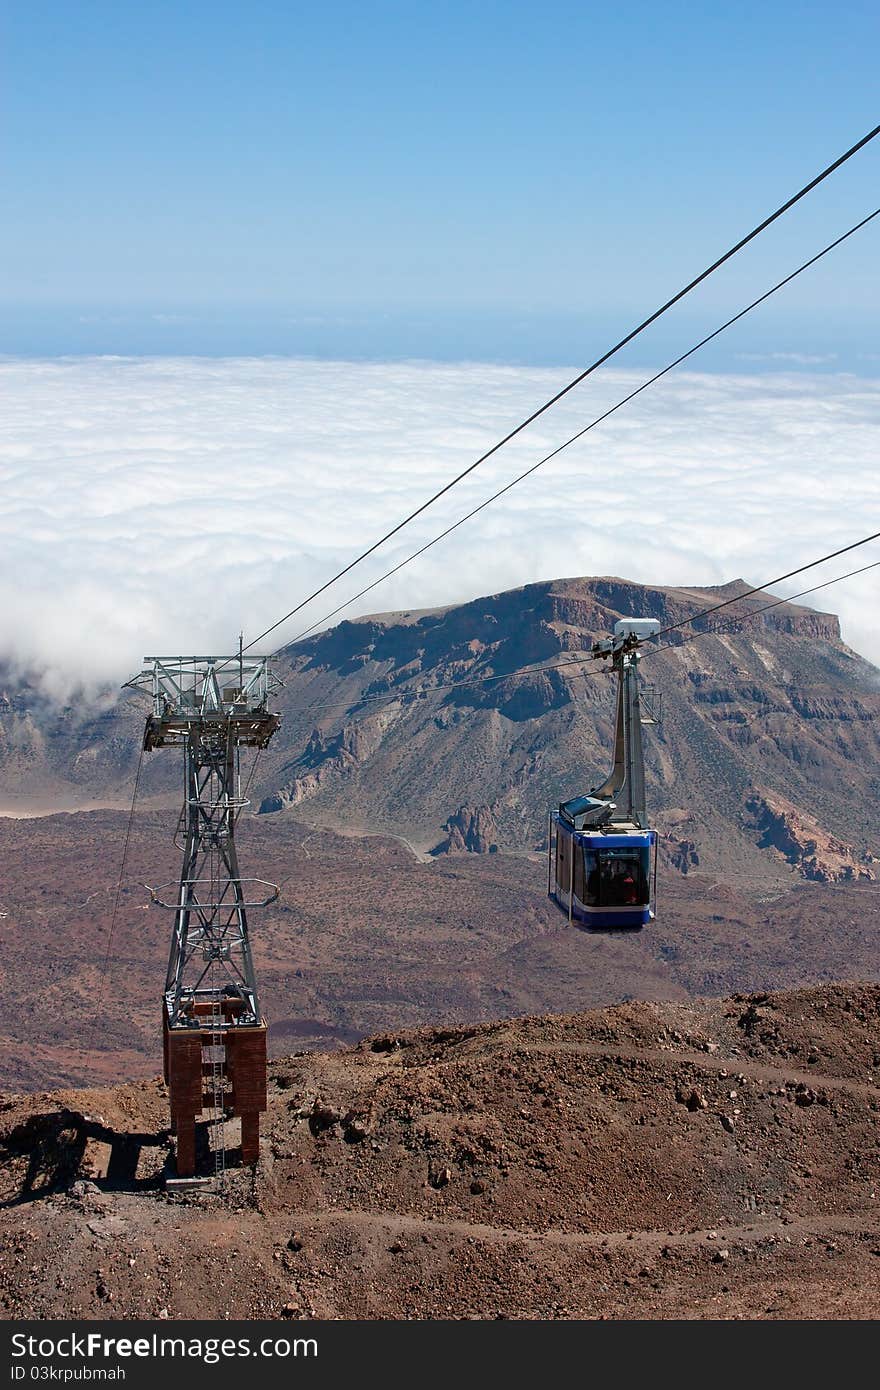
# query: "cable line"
[[765, 608], [102, 987], [423, 691], [580, 434], [780, 579], [594, 366]]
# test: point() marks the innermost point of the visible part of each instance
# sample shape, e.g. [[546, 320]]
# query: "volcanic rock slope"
[[767, 754], [715, 1159]]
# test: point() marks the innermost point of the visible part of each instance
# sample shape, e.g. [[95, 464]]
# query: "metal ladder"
[[218, 1084]]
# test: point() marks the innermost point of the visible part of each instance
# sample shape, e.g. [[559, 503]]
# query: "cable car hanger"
[[604, 869]]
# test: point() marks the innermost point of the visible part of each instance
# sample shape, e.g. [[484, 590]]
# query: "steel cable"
[[588, 371]]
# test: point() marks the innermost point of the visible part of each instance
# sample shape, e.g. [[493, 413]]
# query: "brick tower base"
[[187, 1071]]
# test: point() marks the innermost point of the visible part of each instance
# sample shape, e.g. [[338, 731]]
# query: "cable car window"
[[591, 873], [617, 877], [564, 849], [579, 877]]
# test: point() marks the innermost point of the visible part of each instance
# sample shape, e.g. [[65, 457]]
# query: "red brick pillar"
[[250, 1136], [183, 1049], [246, 1066], [186, 1146]]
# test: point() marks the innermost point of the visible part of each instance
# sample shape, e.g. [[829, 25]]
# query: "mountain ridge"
[[766, 715]]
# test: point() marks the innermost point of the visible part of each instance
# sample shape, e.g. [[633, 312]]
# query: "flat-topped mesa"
[[588, 604], [541, 619], [761, 610]]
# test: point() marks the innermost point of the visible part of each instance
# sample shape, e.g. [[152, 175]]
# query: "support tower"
[[214, 1033]]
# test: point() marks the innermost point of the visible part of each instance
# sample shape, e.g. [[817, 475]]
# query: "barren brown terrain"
[[709, 1159], [708, 1151], [367, 937]]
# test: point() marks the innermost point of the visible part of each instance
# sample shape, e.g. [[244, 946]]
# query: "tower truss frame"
[[212, 708]]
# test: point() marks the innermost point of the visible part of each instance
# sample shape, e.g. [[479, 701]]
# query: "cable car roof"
[[620, 839]]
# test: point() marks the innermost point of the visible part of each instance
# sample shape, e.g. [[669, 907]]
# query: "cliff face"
[[776, 710]]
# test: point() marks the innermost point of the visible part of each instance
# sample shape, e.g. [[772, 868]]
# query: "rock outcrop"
[[799, 840], [471, 829]]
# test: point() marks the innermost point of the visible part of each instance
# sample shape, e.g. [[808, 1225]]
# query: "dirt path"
[[758, 1228], [352, 833], [712, 1062]]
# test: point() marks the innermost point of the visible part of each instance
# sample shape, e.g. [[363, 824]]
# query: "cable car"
[[602, 854]]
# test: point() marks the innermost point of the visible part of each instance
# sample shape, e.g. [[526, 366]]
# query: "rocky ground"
[[702, 1159]]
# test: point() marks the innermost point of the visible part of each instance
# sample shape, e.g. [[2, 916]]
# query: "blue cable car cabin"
[[604, 872], [604, 880]]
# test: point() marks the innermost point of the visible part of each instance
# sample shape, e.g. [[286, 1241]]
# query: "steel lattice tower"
[[212, 707]]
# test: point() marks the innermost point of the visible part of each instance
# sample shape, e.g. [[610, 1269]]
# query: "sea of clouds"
[[151, 506]]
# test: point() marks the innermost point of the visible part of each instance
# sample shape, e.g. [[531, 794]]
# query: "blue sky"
[[318, 196], [509, 182]]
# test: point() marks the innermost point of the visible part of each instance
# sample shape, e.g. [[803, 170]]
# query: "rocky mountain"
[[766, 764], [767, 755], [710, 1159]]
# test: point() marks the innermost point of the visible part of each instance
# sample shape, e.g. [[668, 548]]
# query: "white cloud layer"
[[159, 505]]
